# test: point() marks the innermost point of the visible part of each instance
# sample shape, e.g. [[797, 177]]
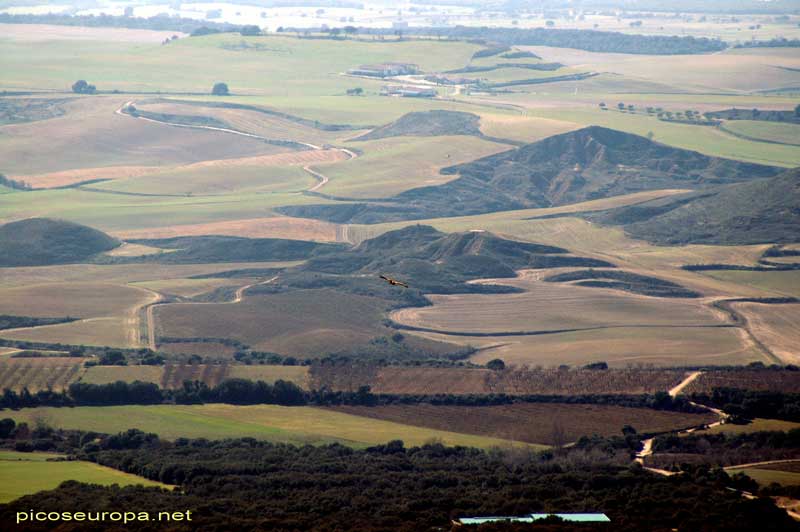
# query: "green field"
[[785, 283], [766, 131], [765, 477], [297, 425], [757, 425], [384, 168], [31, 473], [283, 65]]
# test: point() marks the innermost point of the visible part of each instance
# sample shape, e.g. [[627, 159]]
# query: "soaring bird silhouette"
[[393, 282]]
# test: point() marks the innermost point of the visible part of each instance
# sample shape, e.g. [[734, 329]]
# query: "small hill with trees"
[[43, 241]]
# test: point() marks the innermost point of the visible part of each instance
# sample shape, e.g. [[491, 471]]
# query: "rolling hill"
[[587, 164], [431, 261], [760, 211], [43, 241], [428, 124]]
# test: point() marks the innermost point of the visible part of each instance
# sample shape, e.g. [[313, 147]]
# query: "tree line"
[[285, 393], [749, 404]]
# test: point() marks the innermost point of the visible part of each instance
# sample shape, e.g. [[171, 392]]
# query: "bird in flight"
[[393, 282]]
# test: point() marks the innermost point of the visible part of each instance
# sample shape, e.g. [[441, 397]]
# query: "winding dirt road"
[[238, 296], [321, 178]]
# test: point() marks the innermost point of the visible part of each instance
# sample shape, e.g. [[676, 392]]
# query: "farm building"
[[530, 518], [385, 70], [408, 92]]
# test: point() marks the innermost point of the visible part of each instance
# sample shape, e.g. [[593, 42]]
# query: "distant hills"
[[43, 241], [587, 164], [764, 210]]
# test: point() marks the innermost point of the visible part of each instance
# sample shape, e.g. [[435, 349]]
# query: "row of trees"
[[242, 391]]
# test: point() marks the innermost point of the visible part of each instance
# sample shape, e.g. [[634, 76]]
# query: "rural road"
[[684, 383], [322, 179], [238, 296]]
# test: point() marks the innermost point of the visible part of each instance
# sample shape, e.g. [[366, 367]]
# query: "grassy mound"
[[43, 241]]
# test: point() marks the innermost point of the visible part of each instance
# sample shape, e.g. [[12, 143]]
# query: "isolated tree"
[[603, 106], [82, 87], [357, 91], [631, 108], [650, 135], [496, 365], [350, 30], [220, 89], [797, 110], [549, 23], [621, 106], [250, 30]]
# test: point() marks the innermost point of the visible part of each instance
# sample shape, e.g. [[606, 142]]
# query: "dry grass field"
[[729, 71], [108, 312], [40, 373], [393, 165], [295, 374], [304, 322], [189, 287], [214, 350], [522, 128], [550, 424], [112, 331], [108, 374], [784, 283], [174, 375], [92, 135], [250, 121], [211, 181], [46, 32], [76, 299], [548, 306], [623, 347], [777, 327]]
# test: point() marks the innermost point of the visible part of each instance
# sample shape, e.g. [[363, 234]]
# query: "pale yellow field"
[[296, 374], [392, 165], [622, 347], [777, 326], [91, 135], [548, 306], [782, 283], [732, 70], [107, 374], [523, 128], [189, 287], [76, 299], [112, 331], [271, 227]]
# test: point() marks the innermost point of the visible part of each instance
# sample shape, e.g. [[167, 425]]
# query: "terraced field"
[[515, 381], [43, 373]]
